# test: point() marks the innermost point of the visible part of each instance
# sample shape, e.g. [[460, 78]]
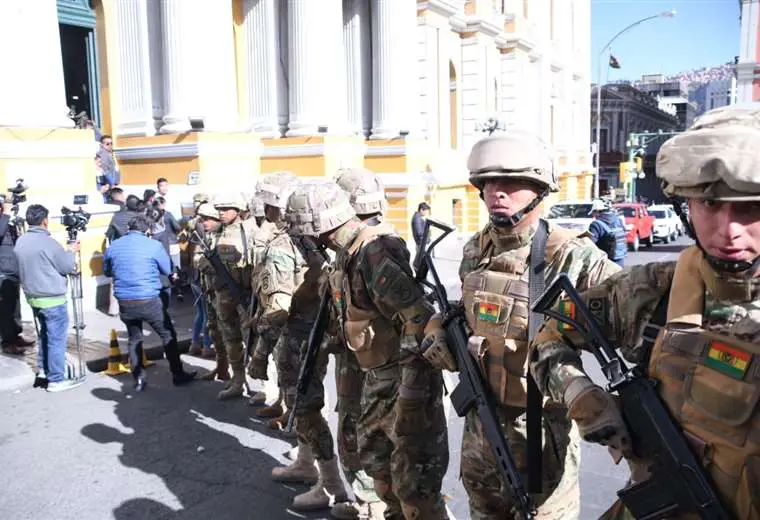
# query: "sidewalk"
[[96, 336]]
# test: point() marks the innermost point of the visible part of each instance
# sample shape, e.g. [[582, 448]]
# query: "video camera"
[[74, 221], [17, 193]]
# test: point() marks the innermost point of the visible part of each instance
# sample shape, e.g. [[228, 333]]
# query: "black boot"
[[181, 377]]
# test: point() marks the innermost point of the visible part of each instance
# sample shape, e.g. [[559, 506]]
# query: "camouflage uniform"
[[233, 243], [705, 356], [402, 430], [495, 279]]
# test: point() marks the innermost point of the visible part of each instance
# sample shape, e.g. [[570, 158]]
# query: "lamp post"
[[666, 14]]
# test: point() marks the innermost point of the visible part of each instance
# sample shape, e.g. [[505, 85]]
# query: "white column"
[[394, 75], [156, 46], [32, 91], [317, 87], [264, 65], [199, 65], [136, 101], [356, 37]]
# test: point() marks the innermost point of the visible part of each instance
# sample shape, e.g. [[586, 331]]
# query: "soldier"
[[279, 271], [208, 220], [233, 243], [367, 197], [514, 173], [402, 429], [693, 324], [256, 207]]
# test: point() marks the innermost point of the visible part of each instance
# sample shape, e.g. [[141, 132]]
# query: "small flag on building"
[[614, 63]]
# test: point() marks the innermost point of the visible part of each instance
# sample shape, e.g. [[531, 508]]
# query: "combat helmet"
[[513, 154], [256, 205], [317, 208], [230, 200], [716, 159], [207, 210], [365, 190], [201, 198], [275, 188]]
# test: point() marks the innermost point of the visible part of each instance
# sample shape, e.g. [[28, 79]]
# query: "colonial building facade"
[[398, 86], [748, 66]]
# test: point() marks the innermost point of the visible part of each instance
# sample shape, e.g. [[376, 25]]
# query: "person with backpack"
[[608, 231]]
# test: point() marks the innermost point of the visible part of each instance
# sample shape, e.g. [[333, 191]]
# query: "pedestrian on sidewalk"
[[43, 269], [418, 224], [10, 310], [136, 263]]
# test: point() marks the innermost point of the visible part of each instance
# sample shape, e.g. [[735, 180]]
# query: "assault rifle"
[[678, 483], [237, 292], [471, 392], [309, 360]]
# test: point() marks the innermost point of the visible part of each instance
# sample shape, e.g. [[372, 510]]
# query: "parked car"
[[571, 214], [639, 224], [667, 225]]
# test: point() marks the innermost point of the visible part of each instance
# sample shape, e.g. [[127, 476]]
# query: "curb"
[[152, 352], [16, 374]]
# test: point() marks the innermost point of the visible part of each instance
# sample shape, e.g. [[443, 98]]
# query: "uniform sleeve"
[[384, 266], [470, 256], [276, 284], [622, 305]]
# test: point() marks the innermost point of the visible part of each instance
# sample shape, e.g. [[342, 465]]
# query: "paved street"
[[101, 452]]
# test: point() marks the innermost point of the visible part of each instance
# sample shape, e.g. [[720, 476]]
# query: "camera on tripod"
[[74, 221], [17, 193]]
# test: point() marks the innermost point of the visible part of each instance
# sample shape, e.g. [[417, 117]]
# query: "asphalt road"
[[101, 452]]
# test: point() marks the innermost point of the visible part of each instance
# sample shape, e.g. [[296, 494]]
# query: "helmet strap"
[[505, 222]]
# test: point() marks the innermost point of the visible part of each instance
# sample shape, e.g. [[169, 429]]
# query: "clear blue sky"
[[703, 33]]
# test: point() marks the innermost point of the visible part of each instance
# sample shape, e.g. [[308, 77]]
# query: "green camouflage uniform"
[[489, 497], [209, 294], [402, 436]]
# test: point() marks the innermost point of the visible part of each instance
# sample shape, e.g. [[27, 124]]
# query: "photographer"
[[43, 269], [10, 311], [136, 263]]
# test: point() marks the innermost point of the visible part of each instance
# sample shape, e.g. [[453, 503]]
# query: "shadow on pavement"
[[210, 455]]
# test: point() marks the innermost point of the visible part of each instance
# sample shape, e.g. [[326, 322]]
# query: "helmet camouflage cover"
[[512, 154], [274, 189], [200, 198], [316, 208], [365, 190], [717, 158], [207, 210], [230, 200]]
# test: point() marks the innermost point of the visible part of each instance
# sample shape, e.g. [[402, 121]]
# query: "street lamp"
[[666, 14]]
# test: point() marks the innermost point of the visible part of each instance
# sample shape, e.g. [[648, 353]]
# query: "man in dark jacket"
[[136, 262], [608, 231], [10, 310], [120, 220], [418, 223]]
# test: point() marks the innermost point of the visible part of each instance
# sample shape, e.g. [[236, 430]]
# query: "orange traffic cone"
[[115, 366]]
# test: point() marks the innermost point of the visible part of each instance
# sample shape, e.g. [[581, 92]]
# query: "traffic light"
[[638, 164], [623, 172]]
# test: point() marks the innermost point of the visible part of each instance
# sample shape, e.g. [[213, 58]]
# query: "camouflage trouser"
[[349, 379], [287, 355], [310, 424], [213, 324], [488, 494], [406, 453], [229, 324]]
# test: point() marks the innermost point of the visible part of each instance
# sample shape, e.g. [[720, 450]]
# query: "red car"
[[639, 224]]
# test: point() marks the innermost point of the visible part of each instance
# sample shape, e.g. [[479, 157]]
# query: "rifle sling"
[[536, 285]]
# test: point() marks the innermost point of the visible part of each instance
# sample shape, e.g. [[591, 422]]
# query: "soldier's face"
[[727, 230], [210, 224], [228, 215], [507, 197]]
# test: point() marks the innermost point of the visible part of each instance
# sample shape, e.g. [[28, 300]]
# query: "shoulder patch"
[[599, 308], [566, 308], [390, 282]]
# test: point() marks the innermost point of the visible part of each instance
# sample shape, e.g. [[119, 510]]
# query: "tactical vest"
[[365, 331], [495, 297], [233, 244], [711, 384]]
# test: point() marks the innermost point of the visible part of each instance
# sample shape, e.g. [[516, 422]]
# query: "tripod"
[[78, 372]]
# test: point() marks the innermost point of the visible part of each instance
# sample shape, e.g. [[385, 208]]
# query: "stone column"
[[265, 66], [357, 43], [394, 72], [38, 96], [199, 65], [317, 93], [156, 45], [136, 116]]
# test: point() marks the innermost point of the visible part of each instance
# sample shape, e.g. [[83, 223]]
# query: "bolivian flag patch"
[[338, 299], [730, 360], [488, 312], [566, 308]]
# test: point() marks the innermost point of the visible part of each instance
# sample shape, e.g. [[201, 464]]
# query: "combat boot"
[[274, 410], [358, 510], [302, 470], [259, 398], [220, 372], [235, 386], [279, 423], [328, 489]]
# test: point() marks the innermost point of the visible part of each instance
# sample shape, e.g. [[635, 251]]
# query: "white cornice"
[[295, 150], [392, 150], [441, 7], [50, 149]]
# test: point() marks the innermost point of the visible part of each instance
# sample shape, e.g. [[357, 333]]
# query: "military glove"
[[257, 368], [434, 347], [598, 416]]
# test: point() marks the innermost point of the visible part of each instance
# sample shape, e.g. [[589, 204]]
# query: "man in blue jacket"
[[608, 231], [135, 262]]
